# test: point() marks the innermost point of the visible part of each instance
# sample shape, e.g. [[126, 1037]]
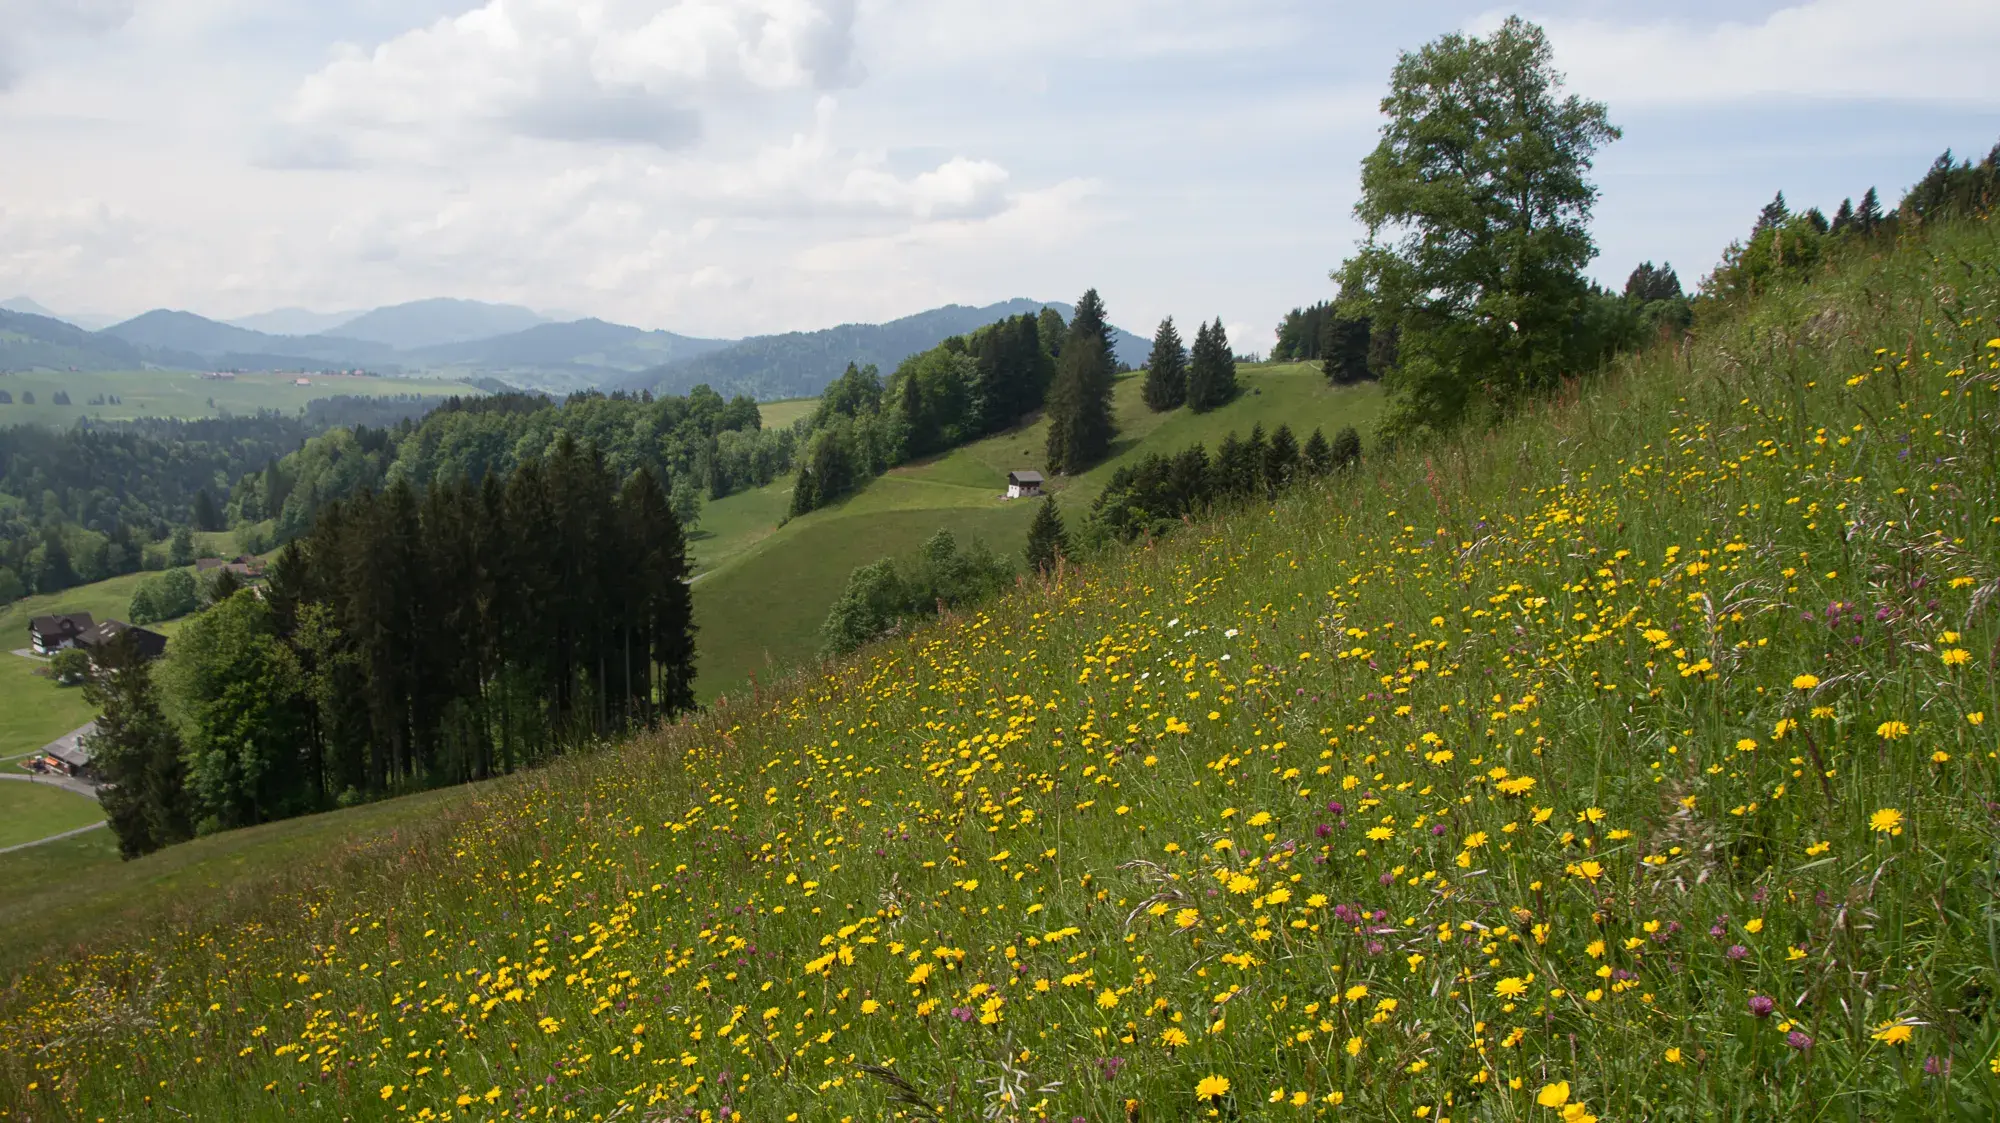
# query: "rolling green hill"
[[1632, 760], [762, 591]]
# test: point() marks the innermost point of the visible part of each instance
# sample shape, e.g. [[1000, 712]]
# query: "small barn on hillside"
[[149, 644], [1024, 484]]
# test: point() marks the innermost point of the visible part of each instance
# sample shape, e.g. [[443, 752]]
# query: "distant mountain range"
[[800, 364], [475, 341]]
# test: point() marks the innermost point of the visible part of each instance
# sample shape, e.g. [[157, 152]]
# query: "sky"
[[734, 167]]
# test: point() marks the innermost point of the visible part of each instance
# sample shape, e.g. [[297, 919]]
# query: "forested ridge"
[[84, 503], [415, 637]]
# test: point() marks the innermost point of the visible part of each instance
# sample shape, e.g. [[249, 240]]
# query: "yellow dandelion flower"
[[1888, 820], [1804, 682], [1891, 730], [1894, 1033], [1212, 1088], [1956, 657]]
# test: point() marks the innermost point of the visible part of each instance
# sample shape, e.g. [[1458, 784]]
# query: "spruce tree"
[[1281, 460], [1344, 350], [1079, 410], [1346, 448], [1090, 319], [1211, 369], [1047, 539], [206, 516], [1318, 455], [1843, 217], [137, 754], [1868, 215], [1166, 369], [1774, 213]]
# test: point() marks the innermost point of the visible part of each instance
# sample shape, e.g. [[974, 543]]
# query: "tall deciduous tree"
[[1166, 369], [1211, 369], [1477, 205]]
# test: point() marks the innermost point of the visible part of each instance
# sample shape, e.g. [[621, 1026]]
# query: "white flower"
[[1231, 633]]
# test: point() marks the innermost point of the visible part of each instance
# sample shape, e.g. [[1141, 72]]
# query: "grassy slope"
[[32, 811], [1539, 686], [765, 590], [173, 393], [59, 895], [34, 710]]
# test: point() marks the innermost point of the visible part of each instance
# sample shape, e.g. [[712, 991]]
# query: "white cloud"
[[1937, 51], [635, 71], [26, 23]]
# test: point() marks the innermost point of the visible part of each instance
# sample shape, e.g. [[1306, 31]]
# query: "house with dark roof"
[[50, 634], [1023, 484], [150, 644], [245, 566], [69, 755]]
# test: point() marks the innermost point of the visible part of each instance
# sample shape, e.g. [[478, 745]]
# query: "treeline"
[[965, 388], [414, 638], [1156, 494], [1787, 245], [700, 446], [101, 498]]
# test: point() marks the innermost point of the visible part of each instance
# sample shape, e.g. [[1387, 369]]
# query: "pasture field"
[[780, 414], [186, 394], [33, 709], [764, 589], [1633, 760], [32, 811]]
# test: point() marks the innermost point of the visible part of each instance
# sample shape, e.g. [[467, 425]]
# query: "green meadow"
[[187, 394]]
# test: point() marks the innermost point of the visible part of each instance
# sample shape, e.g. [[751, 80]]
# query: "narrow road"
[[52, 838], [77, 786]]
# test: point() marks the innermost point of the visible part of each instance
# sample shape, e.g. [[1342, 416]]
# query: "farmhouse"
[[1023, 484], [50, 634], [68, 755], [246, 566], [150, 644]]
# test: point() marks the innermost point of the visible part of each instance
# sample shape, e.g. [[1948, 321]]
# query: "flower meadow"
[[1633, 761]]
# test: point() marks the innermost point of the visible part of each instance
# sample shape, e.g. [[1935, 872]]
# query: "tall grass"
[[1632, 761]]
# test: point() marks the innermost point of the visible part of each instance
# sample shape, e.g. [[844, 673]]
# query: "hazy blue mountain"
[[35, 342], [294, 321], [428, 323], [229, 347], [800, 364], [27, 305], [582, 347]]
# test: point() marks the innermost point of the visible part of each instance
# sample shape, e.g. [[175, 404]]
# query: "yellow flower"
[[1977, 717], [869, 1006], [1212, 1088], [1888, 820], [1956, 657], [1510, 987], [1674, 1055], [1894, 1033], [388, 1090], [1553, 1095], [1173, 1038], [1804, 682], [1187, 918], [1890, 730]]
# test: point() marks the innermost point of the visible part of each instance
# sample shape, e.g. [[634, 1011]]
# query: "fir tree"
[[1090, 319], [1211, 369], [1047, 539], [206, 516], [1166, 369], [1346, 448], [1281, 459], [1868, 215], [136, 753], [1344, 350], [1318, 455], [1774, 213], [1843, 217], [1250, 481], [1079, 410]]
